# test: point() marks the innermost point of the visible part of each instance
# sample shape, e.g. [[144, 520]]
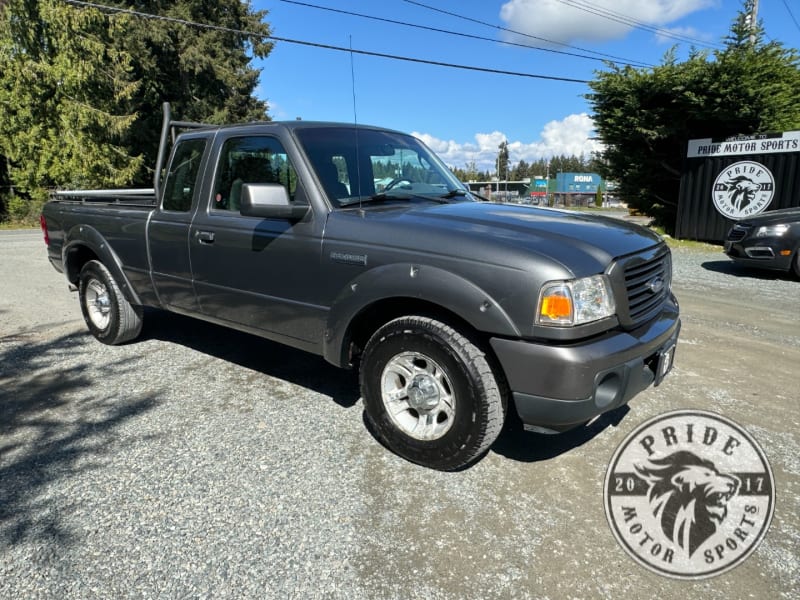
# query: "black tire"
[[108, 314], [413, 362], [796, 263]]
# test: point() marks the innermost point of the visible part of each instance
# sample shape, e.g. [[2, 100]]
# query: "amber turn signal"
[[557, 307]]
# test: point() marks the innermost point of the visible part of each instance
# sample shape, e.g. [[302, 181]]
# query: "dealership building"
[[727, 180]]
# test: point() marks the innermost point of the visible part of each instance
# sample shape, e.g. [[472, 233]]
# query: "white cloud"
[[276, 111], [568, 21], [570, 137]]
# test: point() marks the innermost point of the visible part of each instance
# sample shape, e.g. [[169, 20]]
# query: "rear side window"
[[251, 159], [181, 180]]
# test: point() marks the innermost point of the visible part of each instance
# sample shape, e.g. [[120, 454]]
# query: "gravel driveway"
[[200, 462]]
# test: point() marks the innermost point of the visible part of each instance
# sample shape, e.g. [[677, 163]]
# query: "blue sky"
[[464, 115]]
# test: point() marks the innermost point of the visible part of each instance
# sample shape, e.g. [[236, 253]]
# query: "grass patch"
[[686, 244], [9, 225]]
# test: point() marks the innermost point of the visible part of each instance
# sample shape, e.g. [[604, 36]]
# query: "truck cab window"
[[182, 176], [358, 163], [252, 159]]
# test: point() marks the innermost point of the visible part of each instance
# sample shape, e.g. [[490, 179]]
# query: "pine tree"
[[502, 161], [81, 90], [204, 73], [61, 94]]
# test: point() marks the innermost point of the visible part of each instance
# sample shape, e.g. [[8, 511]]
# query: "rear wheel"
[[108, 314], [430, 393]]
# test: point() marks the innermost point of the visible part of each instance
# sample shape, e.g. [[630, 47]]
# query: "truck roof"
[[293, 125]]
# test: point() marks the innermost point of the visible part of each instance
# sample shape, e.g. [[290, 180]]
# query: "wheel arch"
[[389, 292], [377, 314], [85, 244]]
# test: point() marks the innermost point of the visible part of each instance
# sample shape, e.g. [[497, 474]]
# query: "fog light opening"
[[608, 390]]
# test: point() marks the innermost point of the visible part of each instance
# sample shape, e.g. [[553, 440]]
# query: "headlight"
[[772, 230], [575, 302]]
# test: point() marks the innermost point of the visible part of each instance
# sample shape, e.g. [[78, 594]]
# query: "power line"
[[250, 34], [789, 10], [506, 29], [607, 13], [611, 15], [459, 34]]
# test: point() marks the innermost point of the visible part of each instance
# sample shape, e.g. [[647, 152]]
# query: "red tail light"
[[43, 223]]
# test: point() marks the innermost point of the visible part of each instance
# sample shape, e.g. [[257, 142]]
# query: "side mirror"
[[270, 201]]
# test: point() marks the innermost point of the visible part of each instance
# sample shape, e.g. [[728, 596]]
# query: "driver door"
[[251, 271]]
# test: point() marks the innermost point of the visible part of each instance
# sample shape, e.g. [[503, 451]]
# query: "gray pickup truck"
[[356, 243]]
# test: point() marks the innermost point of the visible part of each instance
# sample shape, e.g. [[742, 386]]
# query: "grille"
[[737, 233], [647, 285]]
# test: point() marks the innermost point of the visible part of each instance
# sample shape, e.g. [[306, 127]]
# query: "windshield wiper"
[[382, 197], [454, 193], [368, 199]]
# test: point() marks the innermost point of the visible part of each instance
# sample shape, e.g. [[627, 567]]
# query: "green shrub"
[[24, 211]]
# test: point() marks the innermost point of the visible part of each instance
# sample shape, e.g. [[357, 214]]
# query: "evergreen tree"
[[81, 90], [205, 74], [502, 161], [61, 94], [520, 171], [471, 171]]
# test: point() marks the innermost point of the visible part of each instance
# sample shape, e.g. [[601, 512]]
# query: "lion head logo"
[[688, 496], [741, 191]]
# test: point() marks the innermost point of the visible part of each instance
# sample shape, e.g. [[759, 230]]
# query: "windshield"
[[361, 164]]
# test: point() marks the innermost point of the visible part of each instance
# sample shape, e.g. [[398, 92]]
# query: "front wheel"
[[430, 393], [108, 314]]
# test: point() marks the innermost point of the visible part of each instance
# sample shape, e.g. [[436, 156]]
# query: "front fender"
[[81, 238], [405, 280]]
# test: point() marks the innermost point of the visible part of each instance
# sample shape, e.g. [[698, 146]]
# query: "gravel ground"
[[198, 462]]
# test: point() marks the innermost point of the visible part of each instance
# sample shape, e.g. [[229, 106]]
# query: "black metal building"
[[725, 181]]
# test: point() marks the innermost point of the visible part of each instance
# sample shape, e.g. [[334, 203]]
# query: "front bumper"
[[557, 387], [764, 252]]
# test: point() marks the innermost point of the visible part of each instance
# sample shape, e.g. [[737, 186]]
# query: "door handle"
[[205, 237]]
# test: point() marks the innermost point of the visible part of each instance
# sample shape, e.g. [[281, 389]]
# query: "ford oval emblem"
[[656, 285]]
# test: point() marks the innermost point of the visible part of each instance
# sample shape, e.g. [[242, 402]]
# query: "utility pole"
[[497, 165], [753, 22], [547, 188], [508, 164]]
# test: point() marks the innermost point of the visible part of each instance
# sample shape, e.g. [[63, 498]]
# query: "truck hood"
[[582, 243]]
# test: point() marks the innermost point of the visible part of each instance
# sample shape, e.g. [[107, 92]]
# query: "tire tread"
[[493, 391], [128, 323]]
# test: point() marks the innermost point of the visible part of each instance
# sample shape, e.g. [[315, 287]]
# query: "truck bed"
[[78, 217]]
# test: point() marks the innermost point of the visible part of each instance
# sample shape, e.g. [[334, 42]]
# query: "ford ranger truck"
[[357, 244]]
